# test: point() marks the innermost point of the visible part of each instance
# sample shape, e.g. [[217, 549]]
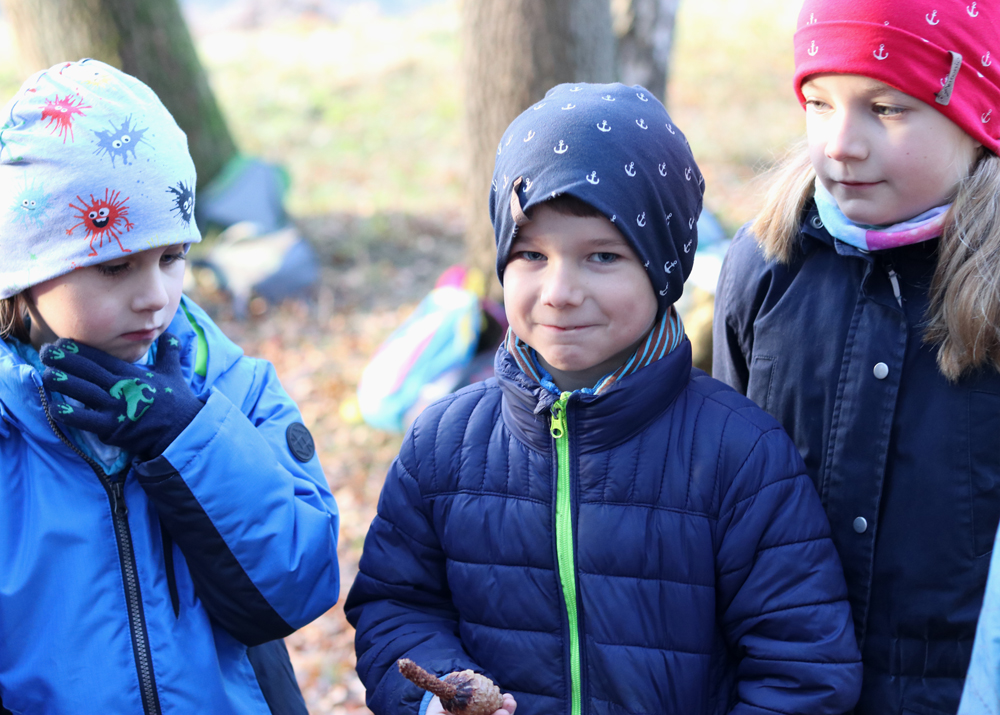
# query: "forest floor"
[[365, 114]]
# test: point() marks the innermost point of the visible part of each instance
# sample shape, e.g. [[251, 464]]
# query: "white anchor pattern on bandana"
[[915, 38], [616, 148]]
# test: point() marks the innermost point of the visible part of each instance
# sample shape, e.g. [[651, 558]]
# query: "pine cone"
[[462, 693]]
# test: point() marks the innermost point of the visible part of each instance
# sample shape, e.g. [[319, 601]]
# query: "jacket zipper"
[[564, 543], [130, 577], [894, 280]]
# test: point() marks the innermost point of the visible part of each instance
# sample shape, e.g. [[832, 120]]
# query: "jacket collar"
[[597, 422]]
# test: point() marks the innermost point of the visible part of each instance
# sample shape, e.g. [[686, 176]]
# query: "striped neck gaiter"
[[665, 336]]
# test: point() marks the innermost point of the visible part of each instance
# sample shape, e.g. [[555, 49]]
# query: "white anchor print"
[[531, 135], [613, 217], [668, 217], [604, 126], [641, 123], [593, 178], [646, 264], [687, 173], [576, 89], [630, 168], [670, 128], [562, 148], [608, 98], [664, 291], [986, 59], [499, 148], [880, 53], [527, 185], [932, 18], [687, 246], [539, 106], [508, 140], [494, 184], [569, 106], [690, 223], [973, 12], [812, 19], [642, 97], [663, 169], [986, 117], [505, 181], [641, 219], [813, 49], [669, 266]]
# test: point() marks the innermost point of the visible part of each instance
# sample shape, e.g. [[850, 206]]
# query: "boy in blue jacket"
[[602, 528], [163, 516]]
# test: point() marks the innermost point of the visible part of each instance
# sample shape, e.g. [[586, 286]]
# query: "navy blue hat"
[[615, 148]]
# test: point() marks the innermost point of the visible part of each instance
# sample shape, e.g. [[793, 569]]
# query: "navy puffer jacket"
[[703, 577]]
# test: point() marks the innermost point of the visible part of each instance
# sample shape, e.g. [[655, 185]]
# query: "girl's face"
[[120, 306], [883, 155]]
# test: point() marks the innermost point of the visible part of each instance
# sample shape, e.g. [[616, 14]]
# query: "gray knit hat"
[[92, 166]]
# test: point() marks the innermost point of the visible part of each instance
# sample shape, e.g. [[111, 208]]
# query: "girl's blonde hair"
[[963, 318], [13, 313]]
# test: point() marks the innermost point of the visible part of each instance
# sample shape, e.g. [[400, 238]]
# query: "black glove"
[[137, 408]]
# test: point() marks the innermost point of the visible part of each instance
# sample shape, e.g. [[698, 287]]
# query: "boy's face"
[[120, 306], [575, 291]]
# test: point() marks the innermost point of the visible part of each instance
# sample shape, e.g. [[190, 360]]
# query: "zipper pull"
[[894, 279], [558, 428], [118, 496]]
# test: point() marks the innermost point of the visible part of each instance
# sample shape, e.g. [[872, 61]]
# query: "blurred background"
[[358, 137]]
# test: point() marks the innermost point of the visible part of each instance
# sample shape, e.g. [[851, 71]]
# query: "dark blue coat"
[[907, 464], [706, 581]]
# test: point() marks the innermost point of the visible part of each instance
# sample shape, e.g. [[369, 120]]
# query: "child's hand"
[[509, 705], [139, 408]]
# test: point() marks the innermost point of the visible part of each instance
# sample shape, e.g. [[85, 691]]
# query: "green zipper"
[[564, 543]]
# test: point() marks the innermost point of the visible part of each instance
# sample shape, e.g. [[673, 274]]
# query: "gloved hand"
[[138, 408]]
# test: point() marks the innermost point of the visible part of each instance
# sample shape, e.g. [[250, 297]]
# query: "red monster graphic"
[[60, 113], [103, 216]]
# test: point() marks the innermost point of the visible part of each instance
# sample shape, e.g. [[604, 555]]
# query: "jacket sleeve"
[[981, 693], [736, 305], [400, 602], [782, 597], [257, 527]]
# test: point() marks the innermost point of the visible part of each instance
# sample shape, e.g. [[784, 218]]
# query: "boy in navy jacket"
[[602, 529]]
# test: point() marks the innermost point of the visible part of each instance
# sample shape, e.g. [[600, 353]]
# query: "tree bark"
[[645, 32], [513, 52], [145, 38]]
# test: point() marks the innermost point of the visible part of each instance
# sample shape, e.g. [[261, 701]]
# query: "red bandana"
[[943, 52]]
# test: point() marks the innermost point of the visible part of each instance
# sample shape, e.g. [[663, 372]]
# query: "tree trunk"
[[645, 32], [145, 38], [513, 52]]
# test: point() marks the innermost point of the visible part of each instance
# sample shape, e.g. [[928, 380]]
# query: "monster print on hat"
[[942, 52], [616, 148], [92, 167]]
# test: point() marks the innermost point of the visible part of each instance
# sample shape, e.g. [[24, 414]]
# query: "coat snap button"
[[861, 525], [881, 370]]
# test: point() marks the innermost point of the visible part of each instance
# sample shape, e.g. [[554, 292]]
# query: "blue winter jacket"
[[666, 554], [906, 463], [140, 592]]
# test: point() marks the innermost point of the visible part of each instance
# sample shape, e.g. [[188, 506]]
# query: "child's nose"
[[846, 140], [563, 286], [151, 293]]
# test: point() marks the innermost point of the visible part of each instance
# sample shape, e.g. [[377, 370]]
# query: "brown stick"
[[420, 677]]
